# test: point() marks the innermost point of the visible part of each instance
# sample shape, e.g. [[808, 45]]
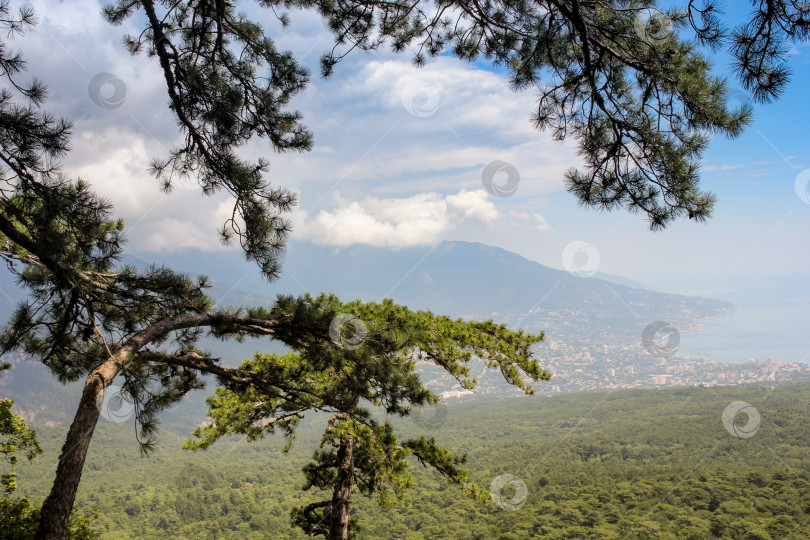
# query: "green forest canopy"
[[648, 463]]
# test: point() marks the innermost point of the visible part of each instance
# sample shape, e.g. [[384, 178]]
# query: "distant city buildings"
[[582, 367], [450, 394]]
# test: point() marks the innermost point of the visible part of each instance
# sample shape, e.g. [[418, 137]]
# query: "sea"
[[766, 324]]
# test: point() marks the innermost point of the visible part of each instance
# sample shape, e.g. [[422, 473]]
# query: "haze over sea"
[[771, 321]]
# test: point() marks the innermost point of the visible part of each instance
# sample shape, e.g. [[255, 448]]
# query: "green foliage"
[[596, 465], [226, 83], [322, 374], [367, 358], [63, 244], [626, 79], [18, 518], [17, 439], [61, 239], [632, 83], [640, 108]]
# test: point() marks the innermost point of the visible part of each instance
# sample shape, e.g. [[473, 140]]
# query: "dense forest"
[[631, 86], [640, 464]]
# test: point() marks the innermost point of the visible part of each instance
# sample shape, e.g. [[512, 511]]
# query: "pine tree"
[[629, 81], [18, 517], [367, 364], [640, 103], [226, 84], [626, 79], [88, 316]]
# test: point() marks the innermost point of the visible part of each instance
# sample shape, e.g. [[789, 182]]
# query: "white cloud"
[[529, 220], [421, 219], [474, 204], [396, 129], [406, 178], [373, 148], [368, 141]]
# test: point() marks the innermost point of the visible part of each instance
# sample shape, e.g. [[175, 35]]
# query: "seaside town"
[[585, 367]]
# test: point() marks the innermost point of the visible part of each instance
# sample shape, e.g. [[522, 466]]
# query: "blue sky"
[[398, 158]]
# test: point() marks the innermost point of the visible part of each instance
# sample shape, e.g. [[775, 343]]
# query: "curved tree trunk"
[[342, 494], [56, 509]]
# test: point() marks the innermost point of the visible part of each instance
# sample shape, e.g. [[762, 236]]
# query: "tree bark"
[[55, 513], [56, 509], [342, 494]]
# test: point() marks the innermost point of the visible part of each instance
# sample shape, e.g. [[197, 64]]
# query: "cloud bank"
[[398, 155], [422, 219]]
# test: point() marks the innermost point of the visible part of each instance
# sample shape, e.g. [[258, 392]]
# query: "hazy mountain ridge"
[[456, 278], [474, 280], [471, 280]]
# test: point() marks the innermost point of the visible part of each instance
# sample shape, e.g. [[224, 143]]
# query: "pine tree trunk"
[[56, 509], [342, 494]]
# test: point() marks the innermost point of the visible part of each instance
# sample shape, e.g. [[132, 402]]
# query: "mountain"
[[460, 279], [474, 280], [621, 280]]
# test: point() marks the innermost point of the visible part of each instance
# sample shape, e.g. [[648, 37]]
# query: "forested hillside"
[[639, 464]]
